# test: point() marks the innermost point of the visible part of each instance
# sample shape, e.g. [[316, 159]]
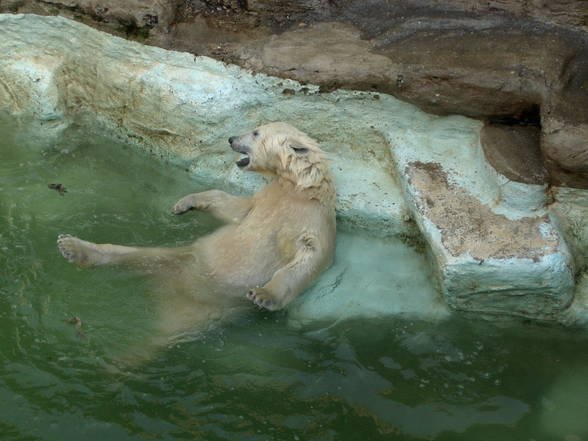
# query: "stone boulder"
[[495, 246], [515, 151]]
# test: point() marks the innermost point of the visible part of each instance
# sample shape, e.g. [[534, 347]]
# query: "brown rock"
[[130, 13], [564, 140], [477, 75], [515, 152], [565, 147], [331, 55], [468, 226]]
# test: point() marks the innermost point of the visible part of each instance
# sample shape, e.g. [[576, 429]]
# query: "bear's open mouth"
[[239, 148], [243, 162]]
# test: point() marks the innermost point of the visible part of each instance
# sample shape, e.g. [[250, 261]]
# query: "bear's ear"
[[298, 147]]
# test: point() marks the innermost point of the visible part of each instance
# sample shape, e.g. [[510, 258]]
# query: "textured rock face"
[[130, 14], [571, 212], [565, 136], [521, 60], [496, 248], [471, 233], [516, 152], [492, 62], [494, 245], [507, 76]]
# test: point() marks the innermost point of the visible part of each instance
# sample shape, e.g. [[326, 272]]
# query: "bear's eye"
[[255, 133]]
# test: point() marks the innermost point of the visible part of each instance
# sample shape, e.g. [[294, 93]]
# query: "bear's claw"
[[262, 298]]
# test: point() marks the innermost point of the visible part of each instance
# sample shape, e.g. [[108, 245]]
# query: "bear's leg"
[[177, 317], [87, 254], [181, 316]]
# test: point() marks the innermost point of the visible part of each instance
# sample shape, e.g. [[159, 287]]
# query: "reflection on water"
[[258, 378]]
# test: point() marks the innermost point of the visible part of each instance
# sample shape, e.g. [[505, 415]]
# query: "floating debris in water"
[[78, 322], [60, 188]]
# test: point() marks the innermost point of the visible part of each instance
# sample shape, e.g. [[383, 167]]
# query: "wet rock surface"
[[490, 60]]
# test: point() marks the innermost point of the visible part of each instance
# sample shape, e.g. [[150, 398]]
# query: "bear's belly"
[[237, 261]]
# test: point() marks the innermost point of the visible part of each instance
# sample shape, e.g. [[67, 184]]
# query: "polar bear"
[[273, 245]]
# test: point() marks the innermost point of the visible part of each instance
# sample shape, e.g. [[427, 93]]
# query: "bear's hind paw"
[[263, 298], [77, 251]]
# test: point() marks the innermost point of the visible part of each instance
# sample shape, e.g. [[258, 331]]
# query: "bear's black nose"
[[231, 139]]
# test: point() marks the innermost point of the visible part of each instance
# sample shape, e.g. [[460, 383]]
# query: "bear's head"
[[278, 149]]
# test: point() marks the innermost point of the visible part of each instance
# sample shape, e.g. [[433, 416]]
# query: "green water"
[[258, 378]]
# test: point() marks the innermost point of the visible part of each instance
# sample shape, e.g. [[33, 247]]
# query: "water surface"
[[259, 378]]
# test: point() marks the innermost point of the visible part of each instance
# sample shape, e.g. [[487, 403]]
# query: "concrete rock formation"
[[496, 249], [495, 239], [520, 61]]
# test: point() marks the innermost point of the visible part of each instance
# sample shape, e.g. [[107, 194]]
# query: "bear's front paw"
[[263, 298], [194, 201], [183, 205]]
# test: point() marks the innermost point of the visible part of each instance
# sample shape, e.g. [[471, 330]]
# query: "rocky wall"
[[520, 62]]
